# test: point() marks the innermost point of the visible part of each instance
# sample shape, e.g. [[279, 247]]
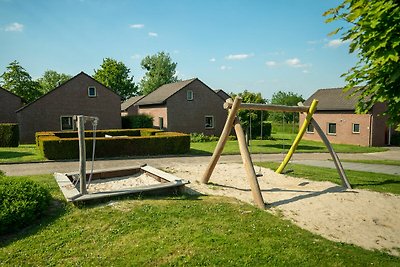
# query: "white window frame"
[[72, 123], [352, 128], [328, 128], [310, 126], [95, 91], [212, 122], [189, 95]]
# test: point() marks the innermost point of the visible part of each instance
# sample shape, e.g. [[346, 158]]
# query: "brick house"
[[129, 106], [81, 95], [336, 116], [9, 104], [187, 106]]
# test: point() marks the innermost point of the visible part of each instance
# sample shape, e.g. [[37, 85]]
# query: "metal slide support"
[[300, 134], [335, 158]]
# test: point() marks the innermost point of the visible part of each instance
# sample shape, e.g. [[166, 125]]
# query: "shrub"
[[395, 140], [9, 135], [200, 137], [137, 121], [21, 202]]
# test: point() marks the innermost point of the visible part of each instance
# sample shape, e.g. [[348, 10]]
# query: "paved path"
[[313, 159]]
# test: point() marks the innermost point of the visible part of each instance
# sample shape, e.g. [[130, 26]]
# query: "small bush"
[[137, 121], [200, 137], [21, 202], [395, 140], [9, 135]]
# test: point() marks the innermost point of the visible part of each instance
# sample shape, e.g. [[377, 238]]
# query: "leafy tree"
[[51, 79], [374, 35], [17, 80], [254, 116], [287, 99], [160, 70], [115, 75]]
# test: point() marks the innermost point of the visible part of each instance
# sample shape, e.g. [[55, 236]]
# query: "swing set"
[[233, 106]]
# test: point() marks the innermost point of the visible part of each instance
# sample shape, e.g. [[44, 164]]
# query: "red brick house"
[[187, 106], [336, 116], [129, 106], [81, 95], [9, 104]]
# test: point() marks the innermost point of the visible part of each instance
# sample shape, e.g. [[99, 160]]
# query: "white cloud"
[[296, 63], [14, 27], [136, 56], [239, 56], [153, 34], [223, 67], [136, 26], [336, 43], [271, 63], [212, 59], [306, 71]]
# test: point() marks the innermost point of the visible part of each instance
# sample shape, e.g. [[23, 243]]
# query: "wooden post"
[[222, 139], [300, 134], [82, 154], [248, 165], [335, 158]]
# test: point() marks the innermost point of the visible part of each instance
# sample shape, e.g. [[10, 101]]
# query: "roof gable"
[[162, 93], [333, 99], [78, 76], [11, 93]]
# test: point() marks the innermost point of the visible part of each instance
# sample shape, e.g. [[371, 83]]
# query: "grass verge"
[[363, 180], [188, 231], [367, 161], [23, 153]]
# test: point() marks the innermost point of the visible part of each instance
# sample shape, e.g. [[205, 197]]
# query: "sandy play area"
[[364, 218], [121, 183]]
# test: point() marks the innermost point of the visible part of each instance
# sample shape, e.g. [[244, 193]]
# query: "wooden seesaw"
[[232, 121]]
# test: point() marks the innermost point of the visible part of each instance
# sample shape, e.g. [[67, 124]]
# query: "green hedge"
[[9, 135], [159, 143], [137, 121], [21, 202]]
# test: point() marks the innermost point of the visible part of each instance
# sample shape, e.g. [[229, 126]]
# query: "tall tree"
[[115, 75], [17, 80], [252, 117], [287, 99], [160, 70], [51, 79], [374, 35]]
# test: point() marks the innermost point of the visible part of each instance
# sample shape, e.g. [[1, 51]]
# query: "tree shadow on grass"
[[199, 152], [55, 210], [13, 154], [377, 183]]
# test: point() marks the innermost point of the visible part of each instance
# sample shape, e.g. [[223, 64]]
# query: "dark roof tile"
[[333, 99]]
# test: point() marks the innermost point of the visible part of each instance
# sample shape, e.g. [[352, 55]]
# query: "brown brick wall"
[[70, 99], [344, 123], [9, 103], [156, 112]]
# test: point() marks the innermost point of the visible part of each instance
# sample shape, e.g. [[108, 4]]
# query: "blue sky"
[[259, 45]]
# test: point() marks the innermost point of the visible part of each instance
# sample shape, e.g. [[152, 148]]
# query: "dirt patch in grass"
[[367, 219]]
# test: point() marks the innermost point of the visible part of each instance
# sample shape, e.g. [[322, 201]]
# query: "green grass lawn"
[[282, 142], [367, 161], [173, 231], [23, 153], [363, 180]]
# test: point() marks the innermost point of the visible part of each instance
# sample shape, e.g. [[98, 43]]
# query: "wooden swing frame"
[[233, 106]]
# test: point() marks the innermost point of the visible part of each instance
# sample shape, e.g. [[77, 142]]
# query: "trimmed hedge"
[[9, 135], [152, 142], [137, 121], [21, 202]]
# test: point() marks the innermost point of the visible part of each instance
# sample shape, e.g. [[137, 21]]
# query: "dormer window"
[[92, 91], [189, 95]]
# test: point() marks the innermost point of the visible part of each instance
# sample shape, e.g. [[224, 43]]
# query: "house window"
[[67, 123], [209, 122], [189, 95], [356, 128], [310, 128], [92, 91], [332, 128]]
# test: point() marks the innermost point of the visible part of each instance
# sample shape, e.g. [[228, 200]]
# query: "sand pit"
[[121, 183], [364, 218]]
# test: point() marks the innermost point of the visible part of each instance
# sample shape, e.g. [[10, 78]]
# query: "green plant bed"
[[150, 142]]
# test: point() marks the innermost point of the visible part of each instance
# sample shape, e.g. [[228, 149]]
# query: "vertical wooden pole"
[[248, 165], [300, 134], [222, 140], [82, 154], [335, 158]]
